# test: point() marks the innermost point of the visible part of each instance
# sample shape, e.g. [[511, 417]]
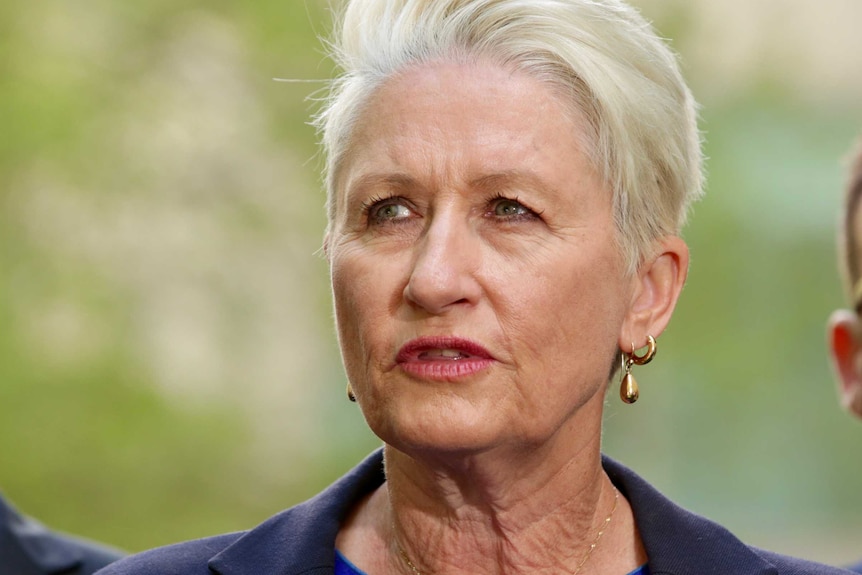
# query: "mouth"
[[443, 354], [443, 358], [441, 349]]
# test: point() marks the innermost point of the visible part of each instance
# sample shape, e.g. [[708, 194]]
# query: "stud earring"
[[350, 395], [629, 391]]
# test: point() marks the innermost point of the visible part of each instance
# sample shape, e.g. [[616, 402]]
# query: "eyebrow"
[[489, 183], [509, 180], [396, 181]]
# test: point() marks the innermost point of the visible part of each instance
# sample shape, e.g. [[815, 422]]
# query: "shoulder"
[[187, 558], [680, 542], [92, 555], [298, 540], [28, 546], [792, 566]]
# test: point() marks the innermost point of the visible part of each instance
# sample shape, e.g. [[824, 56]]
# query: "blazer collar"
[[34, 544], [677, 541], [305, 534]]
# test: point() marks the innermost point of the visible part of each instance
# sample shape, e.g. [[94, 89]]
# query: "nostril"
[[442, 274], [436, 292]]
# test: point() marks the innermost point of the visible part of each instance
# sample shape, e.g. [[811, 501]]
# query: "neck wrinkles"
[[493, 517]]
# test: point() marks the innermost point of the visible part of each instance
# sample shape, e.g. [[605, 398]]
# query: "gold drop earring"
[[350, 395], [629, 391]]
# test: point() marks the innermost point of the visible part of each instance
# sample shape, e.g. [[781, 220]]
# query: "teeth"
[[445, 353]]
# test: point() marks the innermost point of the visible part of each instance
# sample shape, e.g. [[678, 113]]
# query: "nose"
[[444, 269]]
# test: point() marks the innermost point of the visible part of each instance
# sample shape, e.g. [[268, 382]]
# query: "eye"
[[509, 209], [381, 211]]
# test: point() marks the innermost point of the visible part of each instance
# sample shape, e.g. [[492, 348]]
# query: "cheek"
[[572, 310], [359, 291], [350, 302]]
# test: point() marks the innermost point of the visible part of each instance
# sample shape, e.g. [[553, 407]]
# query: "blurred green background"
[[167, 356]]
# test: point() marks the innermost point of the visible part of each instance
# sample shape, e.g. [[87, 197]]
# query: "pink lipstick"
[[443, 358]]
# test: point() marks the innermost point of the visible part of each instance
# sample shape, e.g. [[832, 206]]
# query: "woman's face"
[[479, 295]]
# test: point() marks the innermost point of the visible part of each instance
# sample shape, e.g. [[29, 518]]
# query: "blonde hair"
[[641, 119]]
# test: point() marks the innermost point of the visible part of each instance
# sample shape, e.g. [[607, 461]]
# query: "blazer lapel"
[[677, 541], [303, 535]]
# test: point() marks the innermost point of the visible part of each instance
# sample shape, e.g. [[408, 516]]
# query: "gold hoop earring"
[[629, 391], [350, 395], [646, 357]]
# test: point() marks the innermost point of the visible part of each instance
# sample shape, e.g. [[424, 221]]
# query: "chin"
[[455, 433]]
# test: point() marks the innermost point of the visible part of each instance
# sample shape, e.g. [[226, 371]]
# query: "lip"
[[421, 357]]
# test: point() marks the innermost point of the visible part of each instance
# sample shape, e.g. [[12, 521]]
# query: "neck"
[[515, 490], [510, 510], [481, 515]]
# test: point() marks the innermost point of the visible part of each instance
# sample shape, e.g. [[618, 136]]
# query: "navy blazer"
[[28, 548], [301, 540]]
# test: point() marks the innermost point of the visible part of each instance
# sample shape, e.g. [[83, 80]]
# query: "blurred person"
[[28, 548], [845, 326], [507, 181]]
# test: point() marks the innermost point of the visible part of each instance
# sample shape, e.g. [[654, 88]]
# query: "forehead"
[[466, 120]]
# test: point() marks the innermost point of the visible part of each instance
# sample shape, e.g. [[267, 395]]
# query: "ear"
[[846, 350], [658, 283]]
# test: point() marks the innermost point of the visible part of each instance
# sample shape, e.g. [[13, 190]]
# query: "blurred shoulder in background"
[[29, 548]]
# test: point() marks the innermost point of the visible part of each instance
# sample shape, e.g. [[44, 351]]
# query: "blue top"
[[343, 566]]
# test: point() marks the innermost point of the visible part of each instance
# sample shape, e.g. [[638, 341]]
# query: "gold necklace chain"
[[577, 570], [406, 559]]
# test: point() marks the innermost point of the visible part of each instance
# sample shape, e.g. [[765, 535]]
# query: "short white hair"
[[606, 60]]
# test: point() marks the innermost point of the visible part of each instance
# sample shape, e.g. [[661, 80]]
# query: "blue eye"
[[387, 210], [391, 212], [509, 208]]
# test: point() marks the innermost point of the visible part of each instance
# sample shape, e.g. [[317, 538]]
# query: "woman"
[[507, 180]]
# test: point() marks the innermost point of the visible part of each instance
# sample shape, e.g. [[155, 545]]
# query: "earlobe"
[[846, 352], [659, 282]]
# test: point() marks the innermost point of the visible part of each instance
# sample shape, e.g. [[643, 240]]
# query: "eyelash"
[[373, 203], [530, 215]]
